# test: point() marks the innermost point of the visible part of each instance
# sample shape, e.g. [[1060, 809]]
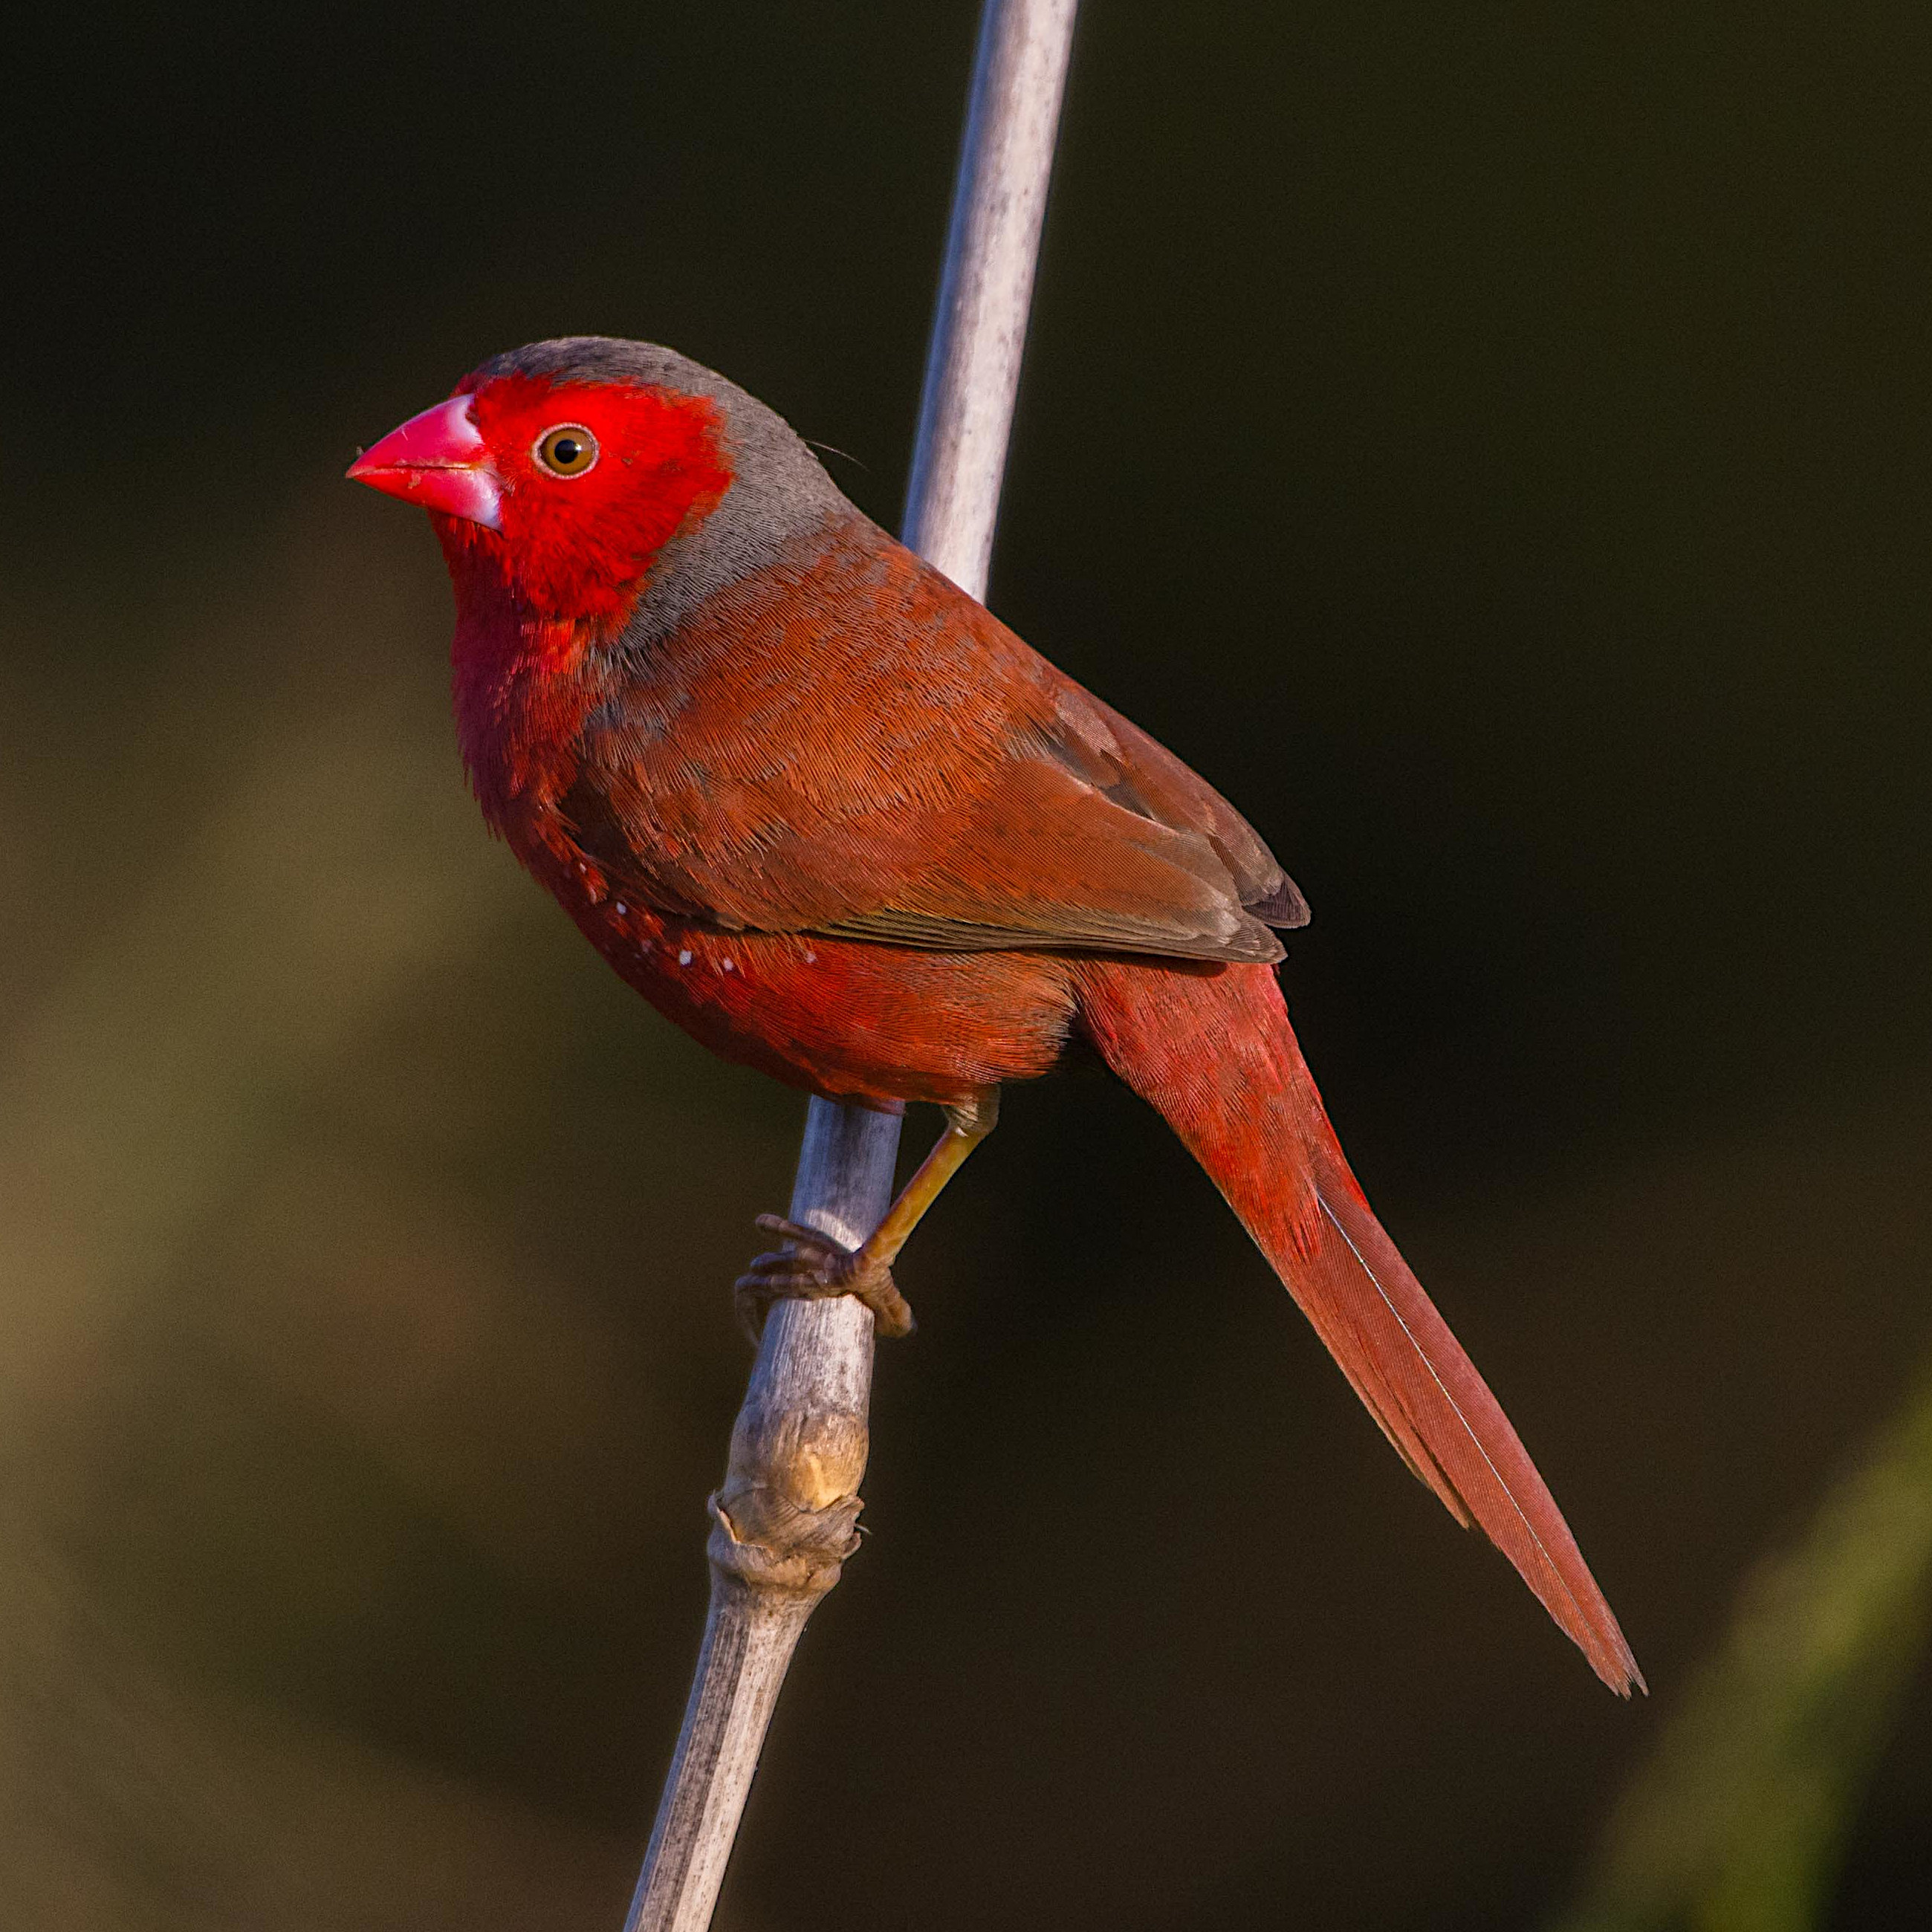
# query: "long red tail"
[[1213, 1050]]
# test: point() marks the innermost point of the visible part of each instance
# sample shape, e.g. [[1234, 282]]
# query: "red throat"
[[568, 564]]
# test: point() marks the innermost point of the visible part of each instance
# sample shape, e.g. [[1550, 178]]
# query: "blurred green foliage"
[[1738, 1823]]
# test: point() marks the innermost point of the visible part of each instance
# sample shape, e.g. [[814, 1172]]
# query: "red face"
[[563, 491]]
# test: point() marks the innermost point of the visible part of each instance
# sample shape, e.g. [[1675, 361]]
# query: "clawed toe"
[[807, 1241], [814, 1268]]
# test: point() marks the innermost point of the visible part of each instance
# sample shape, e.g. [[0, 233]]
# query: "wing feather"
[[874, 756]]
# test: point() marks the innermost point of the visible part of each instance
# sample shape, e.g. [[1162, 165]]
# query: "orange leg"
[[814, 1266]]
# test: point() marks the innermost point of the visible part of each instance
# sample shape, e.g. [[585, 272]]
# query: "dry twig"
[[786, 1516]]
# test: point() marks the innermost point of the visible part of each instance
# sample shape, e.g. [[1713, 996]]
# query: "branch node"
[[786, 1517], [767, 1542]]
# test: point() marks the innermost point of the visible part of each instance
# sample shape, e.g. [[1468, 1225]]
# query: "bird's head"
[[565, 473]]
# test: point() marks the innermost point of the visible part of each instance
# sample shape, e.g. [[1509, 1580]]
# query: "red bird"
[[826, 812]]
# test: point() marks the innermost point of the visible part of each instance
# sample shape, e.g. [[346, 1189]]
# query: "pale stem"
[[785, 1518]]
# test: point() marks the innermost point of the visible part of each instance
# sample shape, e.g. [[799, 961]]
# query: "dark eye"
[[569, 450]]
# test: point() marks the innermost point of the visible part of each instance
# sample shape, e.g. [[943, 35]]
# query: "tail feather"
[[1213, 1051]]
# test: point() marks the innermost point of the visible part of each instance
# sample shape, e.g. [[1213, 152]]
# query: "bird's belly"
[[845, 1018]]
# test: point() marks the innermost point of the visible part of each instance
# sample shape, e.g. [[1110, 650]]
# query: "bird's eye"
[[569, 450]]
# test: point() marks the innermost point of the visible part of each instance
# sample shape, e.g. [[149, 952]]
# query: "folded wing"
[[927, 781]]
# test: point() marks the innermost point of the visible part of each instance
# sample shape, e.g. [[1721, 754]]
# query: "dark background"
[[1489, 441]]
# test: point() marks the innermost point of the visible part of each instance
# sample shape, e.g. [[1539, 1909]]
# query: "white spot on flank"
[[811, 958], [730, 965], [684, 958], [622, 908]]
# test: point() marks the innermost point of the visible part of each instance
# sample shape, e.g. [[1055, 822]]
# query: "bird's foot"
[[813, 1268]]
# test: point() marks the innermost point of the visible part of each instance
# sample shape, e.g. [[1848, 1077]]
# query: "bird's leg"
[[813, 1266]]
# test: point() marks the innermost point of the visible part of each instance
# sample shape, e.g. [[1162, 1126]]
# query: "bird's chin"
[[456, 530]]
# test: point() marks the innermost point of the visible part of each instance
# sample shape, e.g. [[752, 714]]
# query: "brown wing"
[[859, 749]]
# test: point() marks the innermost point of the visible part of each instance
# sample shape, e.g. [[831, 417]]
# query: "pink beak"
[[437, 460]]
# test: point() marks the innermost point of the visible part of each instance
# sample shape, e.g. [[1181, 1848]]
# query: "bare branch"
[[786, 1517], [973, 369]]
